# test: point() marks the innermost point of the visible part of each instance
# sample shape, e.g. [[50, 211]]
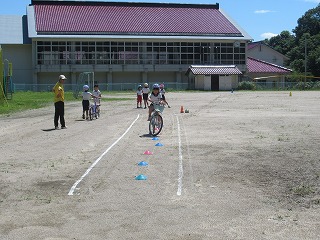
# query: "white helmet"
[[146, 85], [85, 87]]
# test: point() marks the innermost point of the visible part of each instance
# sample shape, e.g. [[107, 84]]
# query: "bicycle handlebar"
[[159, 104]]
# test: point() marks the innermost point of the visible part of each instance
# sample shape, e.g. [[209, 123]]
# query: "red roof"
[[132, 18], [253, 45], [259, 66]]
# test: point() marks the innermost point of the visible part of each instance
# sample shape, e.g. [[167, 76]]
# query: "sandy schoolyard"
[[242, 165]]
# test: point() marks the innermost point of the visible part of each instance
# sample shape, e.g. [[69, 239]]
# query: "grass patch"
[[316, 201], [26, 100], [32, 100], [303, 190], [283, 138]]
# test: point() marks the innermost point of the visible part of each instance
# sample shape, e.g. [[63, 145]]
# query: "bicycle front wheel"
[[97, 112], [155, 124]]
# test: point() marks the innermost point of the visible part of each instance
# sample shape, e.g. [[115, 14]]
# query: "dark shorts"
[[163, 97], [85, 105], [145, 96]]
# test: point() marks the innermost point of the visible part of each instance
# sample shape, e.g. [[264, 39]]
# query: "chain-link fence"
[[272, 85], [244, 85], [102, 87]]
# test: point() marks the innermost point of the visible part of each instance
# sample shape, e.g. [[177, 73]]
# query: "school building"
[[125, 42]]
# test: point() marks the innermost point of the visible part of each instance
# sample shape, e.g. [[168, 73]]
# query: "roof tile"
[[214, 69], [259, 66], [132, 19]]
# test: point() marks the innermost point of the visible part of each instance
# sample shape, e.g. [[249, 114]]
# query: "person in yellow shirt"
[[58, 91]]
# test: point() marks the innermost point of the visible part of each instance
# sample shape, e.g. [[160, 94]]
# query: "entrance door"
[[214, 82]]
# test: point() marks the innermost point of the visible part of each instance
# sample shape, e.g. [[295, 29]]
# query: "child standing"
[[145, 93], [96, 97], [86, 95], [139, 97], [162, 91]]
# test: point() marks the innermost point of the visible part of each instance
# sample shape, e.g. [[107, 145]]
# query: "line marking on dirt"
[[180, 170], [99, 158], [188, 157]]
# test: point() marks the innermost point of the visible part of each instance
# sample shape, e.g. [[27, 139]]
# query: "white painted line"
[[188, 155], [99, 158], [180, 171]]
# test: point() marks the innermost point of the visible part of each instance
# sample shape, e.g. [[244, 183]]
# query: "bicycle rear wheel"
[[155, 124], [90, 113]]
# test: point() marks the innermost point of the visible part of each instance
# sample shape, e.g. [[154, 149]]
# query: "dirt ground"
[[242, 165]]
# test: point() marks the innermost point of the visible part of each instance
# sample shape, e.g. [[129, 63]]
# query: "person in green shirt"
[[59, 103]]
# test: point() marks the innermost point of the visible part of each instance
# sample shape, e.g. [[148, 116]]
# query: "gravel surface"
[[242, 165]]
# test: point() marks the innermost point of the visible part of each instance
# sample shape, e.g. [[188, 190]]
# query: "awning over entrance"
[[214, 70]]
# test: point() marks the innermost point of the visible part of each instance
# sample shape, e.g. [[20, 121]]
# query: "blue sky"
[[259, 18]]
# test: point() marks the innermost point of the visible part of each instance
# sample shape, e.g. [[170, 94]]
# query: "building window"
[[109, 52]]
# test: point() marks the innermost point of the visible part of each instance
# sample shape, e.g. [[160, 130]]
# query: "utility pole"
[[305, 60]]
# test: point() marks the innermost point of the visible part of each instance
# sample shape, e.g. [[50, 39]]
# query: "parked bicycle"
[[156, 120]]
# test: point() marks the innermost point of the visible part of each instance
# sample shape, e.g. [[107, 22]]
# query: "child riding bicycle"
[[155, 98]]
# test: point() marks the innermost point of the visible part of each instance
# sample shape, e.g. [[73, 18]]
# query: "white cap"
[[62, 77]]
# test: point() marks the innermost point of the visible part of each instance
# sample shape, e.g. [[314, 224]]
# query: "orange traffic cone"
[[181, 109]]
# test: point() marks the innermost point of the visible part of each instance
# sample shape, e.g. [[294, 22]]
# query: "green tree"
[[308, 23], [283, 42], [313, 62], [304, 41]]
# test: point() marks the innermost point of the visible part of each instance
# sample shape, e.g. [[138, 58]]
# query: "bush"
[[316, 85], [303, 86], [246, 85]]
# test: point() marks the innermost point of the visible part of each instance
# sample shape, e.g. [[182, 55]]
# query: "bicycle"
[[94, 111], [156, 120]]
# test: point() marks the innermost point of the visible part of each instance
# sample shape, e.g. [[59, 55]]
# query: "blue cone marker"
[[143, 163], [141, 177]]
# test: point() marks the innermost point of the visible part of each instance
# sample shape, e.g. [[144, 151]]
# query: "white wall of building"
[[267, 54], [199, 82], [207, 83], [228, 82], [225, 82]]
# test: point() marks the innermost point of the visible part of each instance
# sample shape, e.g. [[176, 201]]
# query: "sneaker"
[[169, 106], [64, 127], [82, 116], [56, 128]]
